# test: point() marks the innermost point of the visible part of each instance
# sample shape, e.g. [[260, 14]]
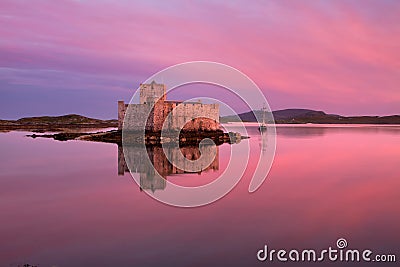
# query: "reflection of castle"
[[154, 178], [154, 110]]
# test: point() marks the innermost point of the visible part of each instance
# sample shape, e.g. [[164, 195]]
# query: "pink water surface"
[[63, 203]]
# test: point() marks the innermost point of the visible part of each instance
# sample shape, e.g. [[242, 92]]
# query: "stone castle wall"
[[186, 116], [136, 117]]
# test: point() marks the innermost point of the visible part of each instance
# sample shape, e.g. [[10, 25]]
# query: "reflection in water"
[[314, 130], [153, 173], [61, 204], [263, 142], [300, 132]]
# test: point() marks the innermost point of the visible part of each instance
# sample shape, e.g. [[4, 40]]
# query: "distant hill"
[[55, 123], [312, 116]]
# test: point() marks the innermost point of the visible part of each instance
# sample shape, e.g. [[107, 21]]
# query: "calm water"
[[72, 203]]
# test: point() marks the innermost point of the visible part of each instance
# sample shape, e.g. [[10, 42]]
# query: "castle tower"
[[121, 113], [149, 93]]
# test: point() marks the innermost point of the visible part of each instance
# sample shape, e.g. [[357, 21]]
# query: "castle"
[[153, 110]]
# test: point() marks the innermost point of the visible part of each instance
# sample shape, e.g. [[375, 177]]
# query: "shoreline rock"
[[150, 138]]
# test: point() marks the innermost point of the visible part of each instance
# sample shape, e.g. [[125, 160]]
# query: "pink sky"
[[60, 57]]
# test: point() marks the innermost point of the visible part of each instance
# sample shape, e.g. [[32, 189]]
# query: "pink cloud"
[[341, 57]]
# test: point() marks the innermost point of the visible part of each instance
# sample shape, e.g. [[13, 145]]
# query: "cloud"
[[338, 56]]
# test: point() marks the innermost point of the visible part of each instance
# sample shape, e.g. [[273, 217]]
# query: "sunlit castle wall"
[[194, 117]]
